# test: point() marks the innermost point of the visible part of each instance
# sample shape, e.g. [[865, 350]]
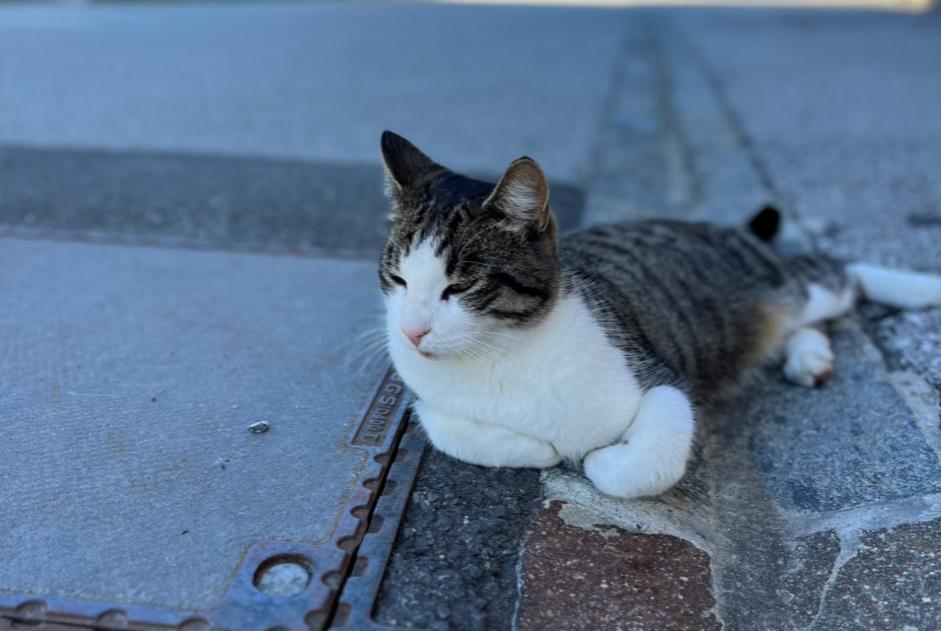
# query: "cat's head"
[[468, 266]]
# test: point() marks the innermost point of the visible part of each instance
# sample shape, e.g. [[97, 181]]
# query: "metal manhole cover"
[[133, 491]]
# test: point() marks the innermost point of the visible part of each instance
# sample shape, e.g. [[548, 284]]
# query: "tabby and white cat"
[[524, 348]]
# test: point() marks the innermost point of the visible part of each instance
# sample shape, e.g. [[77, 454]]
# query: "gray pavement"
[[250, 127], [315, 81], [130, 379]]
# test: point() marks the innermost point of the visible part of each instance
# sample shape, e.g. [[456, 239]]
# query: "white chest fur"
[[563, 382]]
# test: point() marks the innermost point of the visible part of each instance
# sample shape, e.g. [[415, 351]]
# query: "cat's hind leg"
[[809, 358], [654, 451]]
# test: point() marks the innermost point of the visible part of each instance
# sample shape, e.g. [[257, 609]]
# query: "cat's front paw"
[[809, 362], [623, 471]]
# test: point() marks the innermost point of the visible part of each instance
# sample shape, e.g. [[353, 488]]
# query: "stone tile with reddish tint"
[[893, 581], [611, 579]]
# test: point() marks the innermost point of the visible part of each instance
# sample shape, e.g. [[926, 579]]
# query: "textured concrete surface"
[[913, 341], [882, 452], [316, 81], [130, 378]]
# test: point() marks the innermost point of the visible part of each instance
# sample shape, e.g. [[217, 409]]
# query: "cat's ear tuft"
[[405, 164], [522, 194]]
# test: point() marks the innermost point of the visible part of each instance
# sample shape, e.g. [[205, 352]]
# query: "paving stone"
[[892, 582], [611, 579], [809, 564], [851, 442], [912, 341]]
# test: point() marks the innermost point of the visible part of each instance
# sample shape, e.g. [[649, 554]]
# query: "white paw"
[[809, 360], [623, 471]]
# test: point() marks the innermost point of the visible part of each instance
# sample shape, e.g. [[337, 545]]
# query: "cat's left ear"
[[405, 164], [523, 194]]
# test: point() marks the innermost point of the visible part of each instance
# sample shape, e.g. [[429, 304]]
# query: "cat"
[[524, 348]]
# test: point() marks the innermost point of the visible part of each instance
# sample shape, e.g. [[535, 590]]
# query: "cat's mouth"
[[427, 354]]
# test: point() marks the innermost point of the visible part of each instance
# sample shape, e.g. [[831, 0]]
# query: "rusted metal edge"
[[361, 589], [242, 606], [100, 237]]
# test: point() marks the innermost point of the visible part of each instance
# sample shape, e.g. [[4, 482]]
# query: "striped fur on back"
[[698, 304]]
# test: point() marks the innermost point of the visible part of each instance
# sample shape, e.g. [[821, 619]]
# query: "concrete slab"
[[316, 81], [130, 377]]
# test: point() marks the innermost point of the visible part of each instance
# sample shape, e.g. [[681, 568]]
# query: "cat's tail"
[[896, 288], [833, 287], [901, 289]]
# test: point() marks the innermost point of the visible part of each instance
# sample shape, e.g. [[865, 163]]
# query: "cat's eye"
[[453, 290], [398, 280]]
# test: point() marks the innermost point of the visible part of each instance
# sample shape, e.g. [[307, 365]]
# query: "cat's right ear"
[[405, 165], [522, 194]]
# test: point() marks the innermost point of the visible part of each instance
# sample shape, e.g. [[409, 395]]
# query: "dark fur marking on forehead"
[[451, 189], [475, 233]]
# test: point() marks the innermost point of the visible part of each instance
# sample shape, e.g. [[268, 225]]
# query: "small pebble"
[[260, 427]]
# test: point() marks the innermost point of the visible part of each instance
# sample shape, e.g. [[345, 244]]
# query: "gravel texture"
[[454, 564]]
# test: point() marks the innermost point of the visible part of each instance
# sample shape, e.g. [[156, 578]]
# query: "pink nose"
[[415, 335]]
